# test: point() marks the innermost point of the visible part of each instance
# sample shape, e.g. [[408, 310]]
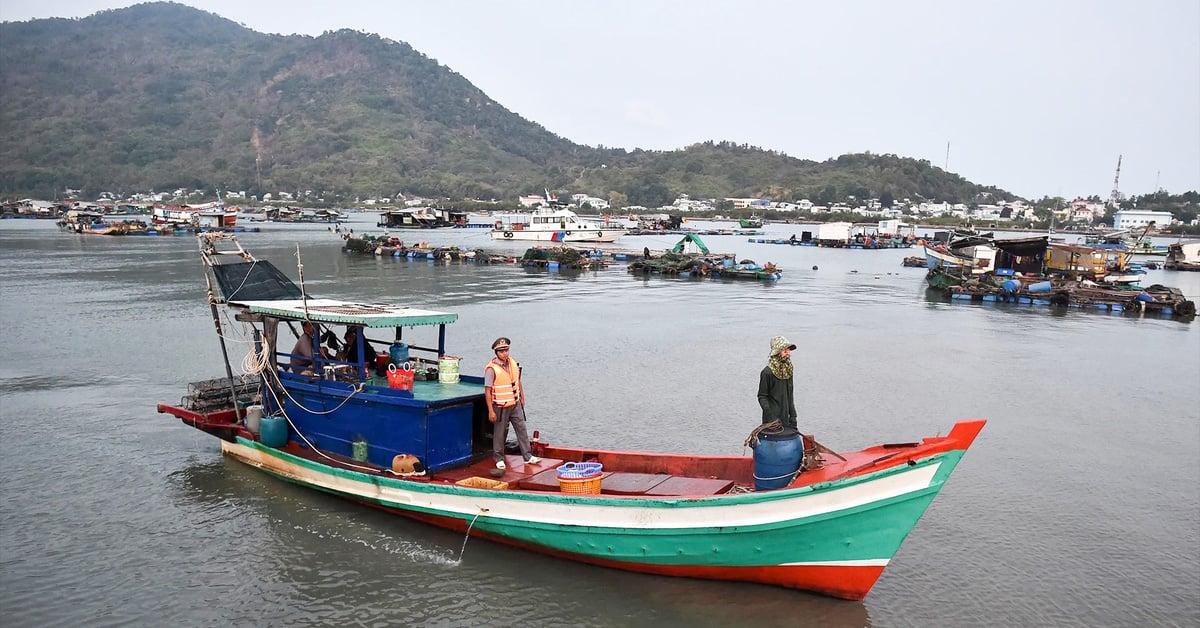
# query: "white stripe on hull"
[[657, 513], [870, 562]]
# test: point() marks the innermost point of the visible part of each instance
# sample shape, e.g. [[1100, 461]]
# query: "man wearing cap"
[[775, 390], [505, 402]]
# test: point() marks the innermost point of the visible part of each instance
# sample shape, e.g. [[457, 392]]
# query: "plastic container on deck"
[[579, 470], [776, 459], [274, 431], [448, 369], [580, 478], [254, 415], [399, 353]]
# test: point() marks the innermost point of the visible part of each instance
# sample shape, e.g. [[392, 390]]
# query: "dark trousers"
[[515, 416]]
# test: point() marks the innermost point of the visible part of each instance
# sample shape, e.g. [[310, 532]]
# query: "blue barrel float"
[[273, 431], [776, 458], [1041, 286]]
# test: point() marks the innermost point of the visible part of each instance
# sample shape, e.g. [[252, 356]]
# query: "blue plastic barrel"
[[399, 353], [273, 431], [776, 458], [1041, 286], [1011, 285]]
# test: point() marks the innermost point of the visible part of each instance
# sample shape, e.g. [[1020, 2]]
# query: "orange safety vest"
[[506, 387]]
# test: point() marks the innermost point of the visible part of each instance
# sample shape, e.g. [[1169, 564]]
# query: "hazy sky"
[[1035, 97]]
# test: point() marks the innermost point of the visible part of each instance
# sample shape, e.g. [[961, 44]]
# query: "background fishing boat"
[[422, 218], [1183, 256], [554, 224]]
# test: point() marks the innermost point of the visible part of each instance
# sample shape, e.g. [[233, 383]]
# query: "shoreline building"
[[1137, 218]]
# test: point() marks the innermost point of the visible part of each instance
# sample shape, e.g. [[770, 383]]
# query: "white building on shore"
[[1138, 218]]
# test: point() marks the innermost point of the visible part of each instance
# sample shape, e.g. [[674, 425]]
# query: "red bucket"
[[402, 378]]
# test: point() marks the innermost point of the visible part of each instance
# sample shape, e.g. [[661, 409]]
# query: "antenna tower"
[[1115, 198]]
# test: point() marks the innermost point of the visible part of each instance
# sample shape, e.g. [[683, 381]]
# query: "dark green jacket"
[[776, 398]]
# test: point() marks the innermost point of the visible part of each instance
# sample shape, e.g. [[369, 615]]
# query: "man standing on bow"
[[776, 393], [506, 402]]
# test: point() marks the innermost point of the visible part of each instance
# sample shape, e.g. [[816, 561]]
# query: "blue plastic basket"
[[579, 470]]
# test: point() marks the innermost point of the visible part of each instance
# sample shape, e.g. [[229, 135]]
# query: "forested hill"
[[159, 96]]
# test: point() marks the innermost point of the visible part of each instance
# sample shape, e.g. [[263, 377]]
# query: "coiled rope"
[[752, 439]]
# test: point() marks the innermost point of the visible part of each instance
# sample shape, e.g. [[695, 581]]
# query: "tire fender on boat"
[[599, 234], [499, 225], [508, 234], [568, 233]]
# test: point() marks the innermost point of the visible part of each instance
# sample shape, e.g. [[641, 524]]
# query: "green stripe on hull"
[[867, 531]]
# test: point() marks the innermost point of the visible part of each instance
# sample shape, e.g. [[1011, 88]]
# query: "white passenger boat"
[[555, 224]]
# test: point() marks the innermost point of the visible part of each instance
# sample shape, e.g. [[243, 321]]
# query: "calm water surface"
[[1078, 505]]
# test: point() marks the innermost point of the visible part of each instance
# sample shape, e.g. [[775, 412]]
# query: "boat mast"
[[205, 257]]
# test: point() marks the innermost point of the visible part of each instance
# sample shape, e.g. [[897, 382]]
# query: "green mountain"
[[160, 96]]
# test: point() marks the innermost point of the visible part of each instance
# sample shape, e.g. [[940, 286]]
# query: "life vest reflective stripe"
[[506, 387]]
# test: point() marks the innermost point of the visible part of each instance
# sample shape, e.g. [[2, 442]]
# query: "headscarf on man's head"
[[780, 366]]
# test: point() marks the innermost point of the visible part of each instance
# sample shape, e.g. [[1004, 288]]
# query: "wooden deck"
[[544, 477]]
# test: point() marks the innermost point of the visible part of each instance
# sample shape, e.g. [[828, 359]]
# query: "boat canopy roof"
[[1027, 246], [558, 212], [1081, 248], [348, 313]]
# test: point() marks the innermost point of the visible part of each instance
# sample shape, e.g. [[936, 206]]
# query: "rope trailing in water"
[[468, 536]]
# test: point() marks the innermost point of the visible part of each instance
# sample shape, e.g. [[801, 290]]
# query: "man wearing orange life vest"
[[505, 402]]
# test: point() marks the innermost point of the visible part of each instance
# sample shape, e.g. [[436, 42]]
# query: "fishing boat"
[[420, 446], [422, 218], [1110, 266], [81, 220], [1058, 291], [1145, 247], [298, 215], [1183, 256], [1125, 240], [554, 223], [95, 223], [976, 258], [214, 215]]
